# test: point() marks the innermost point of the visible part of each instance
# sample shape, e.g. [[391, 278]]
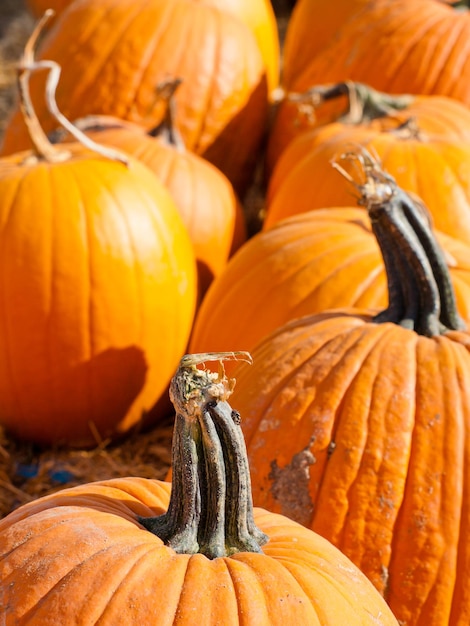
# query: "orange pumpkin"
[[351, 103], [204, 197], [319, 260], [396, 46], [200, 554], [97, 294], [304, 179], [258, 15], [125, 48], [357, 424]]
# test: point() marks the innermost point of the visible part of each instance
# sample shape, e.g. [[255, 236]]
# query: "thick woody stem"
[[167, 130], [363, 102], [210, 509], [421, 295]]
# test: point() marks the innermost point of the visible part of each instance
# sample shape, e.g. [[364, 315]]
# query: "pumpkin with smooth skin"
[[304, 180], [318, 260], [97, 295], [198, 553], [125, 48], [357, 424], [203, 195], [353, 104]]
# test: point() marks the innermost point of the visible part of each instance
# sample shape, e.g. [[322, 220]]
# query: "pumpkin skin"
[[431, 114], [127, 47], [203, 195], [304, 172], [419, 46], [87, 541], [375, 408], [305, 264], [97, 297], [257, 14], [359, 431]]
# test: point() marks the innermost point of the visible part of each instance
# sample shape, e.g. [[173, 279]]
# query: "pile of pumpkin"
[[125, 242]]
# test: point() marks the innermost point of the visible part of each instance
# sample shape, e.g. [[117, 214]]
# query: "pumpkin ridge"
[[105, 594], [7, 351], [382, 333], [398, 560], [82, 85], [365, 465], [138, 76], [361, 287]]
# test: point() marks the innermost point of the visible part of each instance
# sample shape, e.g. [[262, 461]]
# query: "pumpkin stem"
[[421, 295], [363, 102], [211, 509], [42, 146], [166, 129]]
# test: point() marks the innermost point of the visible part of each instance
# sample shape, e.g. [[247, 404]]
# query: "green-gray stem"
[[210, 510]]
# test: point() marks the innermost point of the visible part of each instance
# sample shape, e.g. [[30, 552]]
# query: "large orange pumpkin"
[[304, 179], [357, 425], [203, 195], [122, 49], [125, 551], [97, 295], [257, 14], [319, 260], [396, 46]]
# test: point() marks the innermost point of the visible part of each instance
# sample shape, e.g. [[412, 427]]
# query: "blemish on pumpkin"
[[290, 486]]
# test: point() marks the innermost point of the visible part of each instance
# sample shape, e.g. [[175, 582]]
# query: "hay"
[[26, 473]]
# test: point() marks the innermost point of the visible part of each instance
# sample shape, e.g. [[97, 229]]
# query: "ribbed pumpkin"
[[203, 195], [124, 551], [396, 46], [304, 179], [97, 294], [319, 260], [357, 425], [352, 103], [125, 48], [258, 15]]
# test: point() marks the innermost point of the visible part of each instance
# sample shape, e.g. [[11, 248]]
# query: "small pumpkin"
[[127, 47], [98, 287], [357, 423], [203, 195], [197, 553], [304, 171]]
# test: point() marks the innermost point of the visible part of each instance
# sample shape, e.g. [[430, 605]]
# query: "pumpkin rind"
[[323, 259], [97, 296], [85, 555], [304, 172], [126, 48]]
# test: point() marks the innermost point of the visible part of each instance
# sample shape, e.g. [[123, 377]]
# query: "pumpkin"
[[352, 103], [318, 260], [98, 289], [148, 555], [396, 46], [258, 15], [203, 195], [125, 48], [304, 171], [357, 423]]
